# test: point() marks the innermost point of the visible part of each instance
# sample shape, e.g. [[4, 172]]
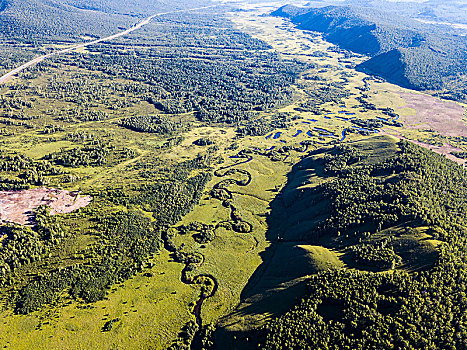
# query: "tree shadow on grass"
[[280, 280]]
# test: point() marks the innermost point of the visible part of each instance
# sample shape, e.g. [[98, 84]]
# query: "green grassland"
[[152, 307]]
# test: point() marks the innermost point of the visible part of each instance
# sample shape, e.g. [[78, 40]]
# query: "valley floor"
[[255, 276]]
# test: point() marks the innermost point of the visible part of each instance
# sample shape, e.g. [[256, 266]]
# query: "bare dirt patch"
[[445, 150], [442, 116], [18, 206]]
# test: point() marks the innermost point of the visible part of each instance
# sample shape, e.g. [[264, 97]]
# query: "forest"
[[155, 124], [29, 27], [90, 155], [36, 22], [21, 172], [125, 240], [228, 92]]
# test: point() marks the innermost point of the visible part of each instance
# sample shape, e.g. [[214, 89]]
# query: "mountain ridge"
[[427, 57]]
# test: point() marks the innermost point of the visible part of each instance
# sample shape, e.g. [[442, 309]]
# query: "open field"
[[442, 116], [254, 251]]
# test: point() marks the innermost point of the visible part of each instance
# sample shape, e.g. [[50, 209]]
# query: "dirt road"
[[137, 26]]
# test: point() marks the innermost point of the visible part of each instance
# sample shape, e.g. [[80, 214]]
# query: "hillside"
[[403, 51], [450, 12], [377, 206]]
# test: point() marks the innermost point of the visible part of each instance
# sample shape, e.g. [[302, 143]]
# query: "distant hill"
[[403, 51], [444, 11], [453, 11]]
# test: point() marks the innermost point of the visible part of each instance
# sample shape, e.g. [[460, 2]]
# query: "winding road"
[[137, 26]]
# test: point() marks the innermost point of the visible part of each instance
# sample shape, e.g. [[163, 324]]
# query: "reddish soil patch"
[[18, 206], [445, 150], [442, 116]]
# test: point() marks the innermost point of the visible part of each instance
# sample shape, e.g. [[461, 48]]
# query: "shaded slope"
[[389, 65], [403, 51]]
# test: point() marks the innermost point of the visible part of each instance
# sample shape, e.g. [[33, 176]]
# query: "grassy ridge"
[[392, 207]]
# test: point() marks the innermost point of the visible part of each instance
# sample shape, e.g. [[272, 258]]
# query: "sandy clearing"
[[18, 206]]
